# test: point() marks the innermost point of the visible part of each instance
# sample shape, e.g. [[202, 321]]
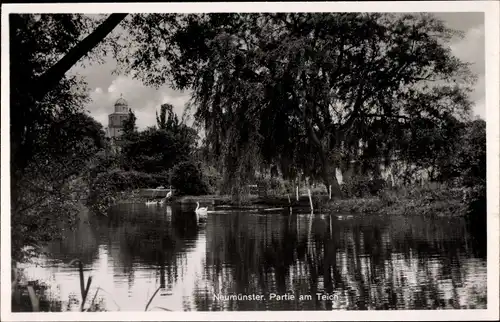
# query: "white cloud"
[[471, 49], [146, 116]]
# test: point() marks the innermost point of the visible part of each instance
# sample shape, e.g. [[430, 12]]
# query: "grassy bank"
[[373, 205], [401, 207], [426, 201], [417, 200]]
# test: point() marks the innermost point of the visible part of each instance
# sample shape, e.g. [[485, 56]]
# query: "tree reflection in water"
[[366, 262], [154, 241], [371, 263]]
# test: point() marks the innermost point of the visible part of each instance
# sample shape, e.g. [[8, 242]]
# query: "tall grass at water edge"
[[430, 199]]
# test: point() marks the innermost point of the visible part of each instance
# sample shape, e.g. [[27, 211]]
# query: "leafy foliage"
[[63, 153], [306, 92], [361, 186], [188, 179], [52, 139], [158, 149], [51, 35], [164, 122], [471, 156], [129, 127], [107, 187]]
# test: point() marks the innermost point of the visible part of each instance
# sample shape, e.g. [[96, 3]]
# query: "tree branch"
[[44, 83], [356, 107]]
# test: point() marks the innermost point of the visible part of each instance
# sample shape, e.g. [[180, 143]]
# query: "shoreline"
[[423, 205]]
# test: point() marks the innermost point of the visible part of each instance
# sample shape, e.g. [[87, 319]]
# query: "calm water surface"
[[360, 262]]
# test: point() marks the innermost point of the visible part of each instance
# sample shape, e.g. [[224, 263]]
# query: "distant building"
[[115, 120], [114, 130]]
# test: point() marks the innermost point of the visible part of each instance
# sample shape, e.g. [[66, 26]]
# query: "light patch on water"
[[184, 288]]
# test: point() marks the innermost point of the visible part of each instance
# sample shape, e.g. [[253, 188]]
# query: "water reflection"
[[368, 262]]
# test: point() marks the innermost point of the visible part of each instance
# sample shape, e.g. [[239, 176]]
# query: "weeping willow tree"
[[308, 92]]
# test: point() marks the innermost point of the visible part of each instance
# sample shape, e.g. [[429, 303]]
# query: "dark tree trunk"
[[328, 179]]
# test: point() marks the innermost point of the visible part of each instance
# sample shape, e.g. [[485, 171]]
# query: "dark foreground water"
[[272, 261]]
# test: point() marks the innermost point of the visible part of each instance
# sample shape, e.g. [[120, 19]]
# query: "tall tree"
[[167, 118], [271, 85], [45, 100], [129, 126], [157, 149], [161, 121], [46, 47]]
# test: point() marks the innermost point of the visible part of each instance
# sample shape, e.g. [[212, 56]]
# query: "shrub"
[[187, 178], [106, 186], [277, 186], [212, 178], [360, 186]]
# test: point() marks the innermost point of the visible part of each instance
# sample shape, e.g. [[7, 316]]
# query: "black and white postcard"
[[263, 161]]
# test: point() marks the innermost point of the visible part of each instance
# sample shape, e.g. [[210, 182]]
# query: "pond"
[[262, 260]]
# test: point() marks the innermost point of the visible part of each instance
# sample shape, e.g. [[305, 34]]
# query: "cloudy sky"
[[107, 87]]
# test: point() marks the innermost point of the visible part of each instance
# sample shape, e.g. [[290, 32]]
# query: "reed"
[[152, 297], [93, 299], [83, 289]]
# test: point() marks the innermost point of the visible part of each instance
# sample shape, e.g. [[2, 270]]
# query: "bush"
[[187, 178], [272, 186], [120, 180], [360, 186], [213, 179], [106, 186]]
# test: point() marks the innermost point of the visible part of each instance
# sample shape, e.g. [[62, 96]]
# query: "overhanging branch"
[[45, 82]]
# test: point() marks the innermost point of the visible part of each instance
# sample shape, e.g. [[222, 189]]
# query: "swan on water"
[[169, 194], [201, 212]]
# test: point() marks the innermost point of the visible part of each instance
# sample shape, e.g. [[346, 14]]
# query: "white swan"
[[169, 194], [201, 212]]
